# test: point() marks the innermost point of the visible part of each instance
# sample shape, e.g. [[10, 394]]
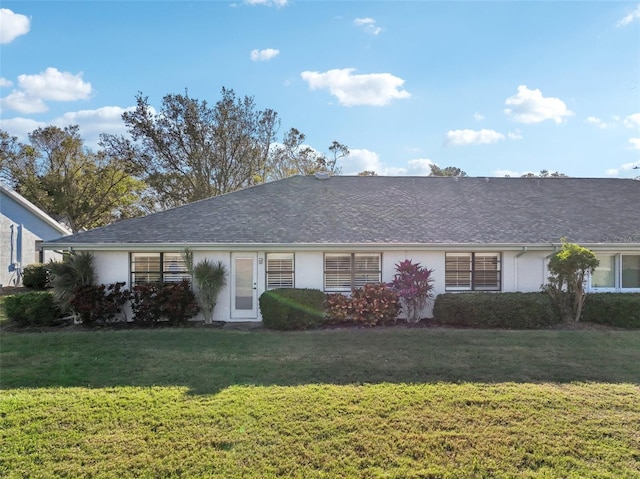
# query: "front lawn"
[[340, 403]]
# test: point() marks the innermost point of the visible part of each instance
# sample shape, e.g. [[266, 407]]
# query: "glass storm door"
[[244, 286]]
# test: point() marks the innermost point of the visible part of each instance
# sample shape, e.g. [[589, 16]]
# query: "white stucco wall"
[[521, 271]]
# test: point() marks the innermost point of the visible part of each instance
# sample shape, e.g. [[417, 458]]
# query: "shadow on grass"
[[207, 361]]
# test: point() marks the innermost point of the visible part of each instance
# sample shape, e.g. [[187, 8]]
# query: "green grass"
[[342, 403]]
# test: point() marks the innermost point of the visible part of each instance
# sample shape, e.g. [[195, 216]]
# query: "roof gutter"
[[522, 248]]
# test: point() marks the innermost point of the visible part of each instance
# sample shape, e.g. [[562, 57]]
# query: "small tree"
[[414, 286], [568, 268]]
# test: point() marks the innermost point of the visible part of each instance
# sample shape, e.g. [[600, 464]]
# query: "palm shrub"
[[210, 278], [74, 271]]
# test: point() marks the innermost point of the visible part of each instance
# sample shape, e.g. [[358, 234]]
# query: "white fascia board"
[[304, 246]]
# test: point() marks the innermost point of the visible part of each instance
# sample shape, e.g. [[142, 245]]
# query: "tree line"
[[187, 151]]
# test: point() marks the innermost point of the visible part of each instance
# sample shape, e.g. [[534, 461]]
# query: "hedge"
[[495, 310], [621, 310], [36, 308], [35, 276], [292, 308]]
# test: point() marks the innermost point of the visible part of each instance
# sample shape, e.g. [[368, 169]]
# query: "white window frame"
[[347, 273], [277, 270], [474, 271], [617, 275], [172, 268]]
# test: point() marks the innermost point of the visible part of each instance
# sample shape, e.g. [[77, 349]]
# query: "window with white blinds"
[[472, 272], [280, 270], [348, 271], [158, 268]]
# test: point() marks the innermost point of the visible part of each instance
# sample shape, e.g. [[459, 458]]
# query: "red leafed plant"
[[414, 286]]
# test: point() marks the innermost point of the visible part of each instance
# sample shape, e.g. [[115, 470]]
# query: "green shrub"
[[35, 276], [495, 310], [37, 308], [621, 310], [289, 309]]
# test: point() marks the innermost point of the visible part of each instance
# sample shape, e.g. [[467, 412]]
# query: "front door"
[[244, 286]]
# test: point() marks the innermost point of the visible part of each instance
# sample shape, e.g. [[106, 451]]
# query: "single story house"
[[23, 229], [340, 232]]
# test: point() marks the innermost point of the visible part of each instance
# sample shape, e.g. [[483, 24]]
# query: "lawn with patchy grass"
[[338, 403]]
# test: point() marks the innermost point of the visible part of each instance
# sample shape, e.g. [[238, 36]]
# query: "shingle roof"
[[395, 210]]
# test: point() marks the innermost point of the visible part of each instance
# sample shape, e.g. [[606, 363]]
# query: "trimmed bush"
[[375, 304], [495, 310], [35, 276], [288, 309], [99, 304], [173, 302], [621, 310], [338, 308], [37, 308]]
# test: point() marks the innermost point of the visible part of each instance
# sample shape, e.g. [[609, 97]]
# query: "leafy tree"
[[448, 171], [569, 268], [545, 174], [293, 157], [71, 183], [190, 150], [368, 173]]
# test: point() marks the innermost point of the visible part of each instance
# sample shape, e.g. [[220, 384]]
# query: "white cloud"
[[264, 55], [632, 121], [471, 137], [12, 25], [376, 89], [92, 123], [360, 160], [634, 15], [478, 116], [514, 135], [512, 174], [268, 3], [368, 25], [624, 168], [53, 84], [20, 127], [597, 122], [365, 160], [4, 83], [529, 106], [22, 103], [635, 143], [419, 167]]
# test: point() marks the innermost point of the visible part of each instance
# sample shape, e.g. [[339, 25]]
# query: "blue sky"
[[494, 88]]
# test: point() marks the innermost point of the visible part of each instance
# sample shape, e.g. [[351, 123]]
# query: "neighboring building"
[[23, 229], [477, 234]]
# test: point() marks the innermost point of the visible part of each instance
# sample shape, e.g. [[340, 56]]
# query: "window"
[[616, 272], [158, 268], [280, 270], [348, 271], [472, 272]]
